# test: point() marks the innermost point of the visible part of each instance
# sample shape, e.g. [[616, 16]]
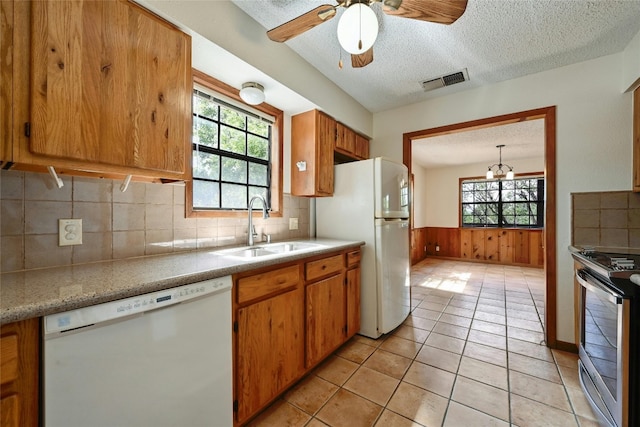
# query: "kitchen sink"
[[291, 246], [249, 252], [269, 249]]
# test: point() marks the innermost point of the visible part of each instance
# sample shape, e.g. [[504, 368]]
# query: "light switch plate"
[[69, 232], [293, 223]]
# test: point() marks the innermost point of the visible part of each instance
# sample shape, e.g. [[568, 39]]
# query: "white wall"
[[594, 138], [437, 192]]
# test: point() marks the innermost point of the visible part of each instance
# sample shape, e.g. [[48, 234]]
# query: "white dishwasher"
[[159, 359]]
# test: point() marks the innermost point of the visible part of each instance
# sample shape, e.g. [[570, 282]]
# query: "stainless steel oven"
[[608, 313]]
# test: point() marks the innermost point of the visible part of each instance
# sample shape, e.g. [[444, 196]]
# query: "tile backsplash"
[[147, 219], [610, 219]]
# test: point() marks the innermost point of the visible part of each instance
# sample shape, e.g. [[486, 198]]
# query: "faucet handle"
[[253, 231]]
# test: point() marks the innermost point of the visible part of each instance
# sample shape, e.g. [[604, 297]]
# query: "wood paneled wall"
[[499, 245]]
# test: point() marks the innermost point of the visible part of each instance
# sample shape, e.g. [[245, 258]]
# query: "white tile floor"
[[470, 354]]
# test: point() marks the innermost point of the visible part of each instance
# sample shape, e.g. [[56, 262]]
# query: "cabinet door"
[[19, 366], [362, 147], [353, 301], [325, 147], [6, 80], [345, 139], [111, 84], [325, 317], [270, 350]]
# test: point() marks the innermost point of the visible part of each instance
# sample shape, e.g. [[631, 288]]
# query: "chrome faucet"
[[265, 214]]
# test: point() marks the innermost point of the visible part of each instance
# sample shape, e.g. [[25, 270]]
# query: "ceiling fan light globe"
[[252, 93], [357, 29]]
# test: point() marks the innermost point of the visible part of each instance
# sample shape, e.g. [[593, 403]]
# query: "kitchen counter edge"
[[35, 293]]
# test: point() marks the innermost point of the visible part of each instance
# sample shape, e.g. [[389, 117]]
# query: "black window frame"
[[196, 147], [501, 205]]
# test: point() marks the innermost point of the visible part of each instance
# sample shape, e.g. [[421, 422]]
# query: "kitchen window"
[[236, 152], [517, 203]]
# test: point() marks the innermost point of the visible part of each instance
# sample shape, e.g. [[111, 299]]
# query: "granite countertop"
[[34, 293]]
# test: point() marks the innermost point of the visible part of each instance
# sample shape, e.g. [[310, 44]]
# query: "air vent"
[[447, 80]]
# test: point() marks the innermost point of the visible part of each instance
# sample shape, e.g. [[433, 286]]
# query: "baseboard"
[[566, 346]]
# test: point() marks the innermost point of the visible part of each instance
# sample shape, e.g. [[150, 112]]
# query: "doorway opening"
[[548, 115]]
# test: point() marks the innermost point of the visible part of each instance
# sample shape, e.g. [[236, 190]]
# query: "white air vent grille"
[[446, 80]]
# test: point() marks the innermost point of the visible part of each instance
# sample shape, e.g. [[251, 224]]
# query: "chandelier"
[[499, 173]]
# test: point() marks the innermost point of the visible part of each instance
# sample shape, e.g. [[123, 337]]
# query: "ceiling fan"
[[358, 25]]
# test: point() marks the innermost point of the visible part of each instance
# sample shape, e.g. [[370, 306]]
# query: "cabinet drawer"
[[260, 285], [353, 258], [9, 358], [323, 267]]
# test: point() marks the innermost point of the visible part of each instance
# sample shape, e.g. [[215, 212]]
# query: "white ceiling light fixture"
[[499, 173], [252, 93], [357, 28]]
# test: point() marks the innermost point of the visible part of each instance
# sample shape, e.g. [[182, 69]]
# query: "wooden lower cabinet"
[[353, 292], [287, 319], [19, 366], [270, 350], [326, 317]]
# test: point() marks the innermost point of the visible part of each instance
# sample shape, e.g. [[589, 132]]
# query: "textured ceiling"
[[495, 40], [522, 140]]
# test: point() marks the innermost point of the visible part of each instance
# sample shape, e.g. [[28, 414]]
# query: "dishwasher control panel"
[[87, 316]]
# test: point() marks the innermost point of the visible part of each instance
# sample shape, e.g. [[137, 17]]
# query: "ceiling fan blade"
[[438, 11], [302, 23], [365, 58]]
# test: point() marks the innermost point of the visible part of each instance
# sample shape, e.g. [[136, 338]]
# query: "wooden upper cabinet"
[[351, 144], [345, 139], [313, 136], [108, 89], [362, 147], [6, 73], [636, 140]]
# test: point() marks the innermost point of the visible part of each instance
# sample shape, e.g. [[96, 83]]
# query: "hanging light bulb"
[[357, 29], [499, 172]]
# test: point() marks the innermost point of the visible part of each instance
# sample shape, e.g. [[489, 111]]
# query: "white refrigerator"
[[371, 203]]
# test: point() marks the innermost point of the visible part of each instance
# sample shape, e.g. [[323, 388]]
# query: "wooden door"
[[362, 147], [353, 301], [111, 84], [325, 145], [19, 367], [270, 350], [345, 139], [325, 303]]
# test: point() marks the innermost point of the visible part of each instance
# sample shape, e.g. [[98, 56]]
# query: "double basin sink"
[[269, 249]]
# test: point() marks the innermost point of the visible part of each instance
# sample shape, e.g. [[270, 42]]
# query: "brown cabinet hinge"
[[235, 326], [27, 129], [235, 406]]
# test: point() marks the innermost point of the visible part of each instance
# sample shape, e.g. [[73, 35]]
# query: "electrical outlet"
[[437, 248], [69, 232], [293, 223]]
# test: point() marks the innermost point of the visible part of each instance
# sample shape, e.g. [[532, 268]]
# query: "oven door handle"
[[592, 284]]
